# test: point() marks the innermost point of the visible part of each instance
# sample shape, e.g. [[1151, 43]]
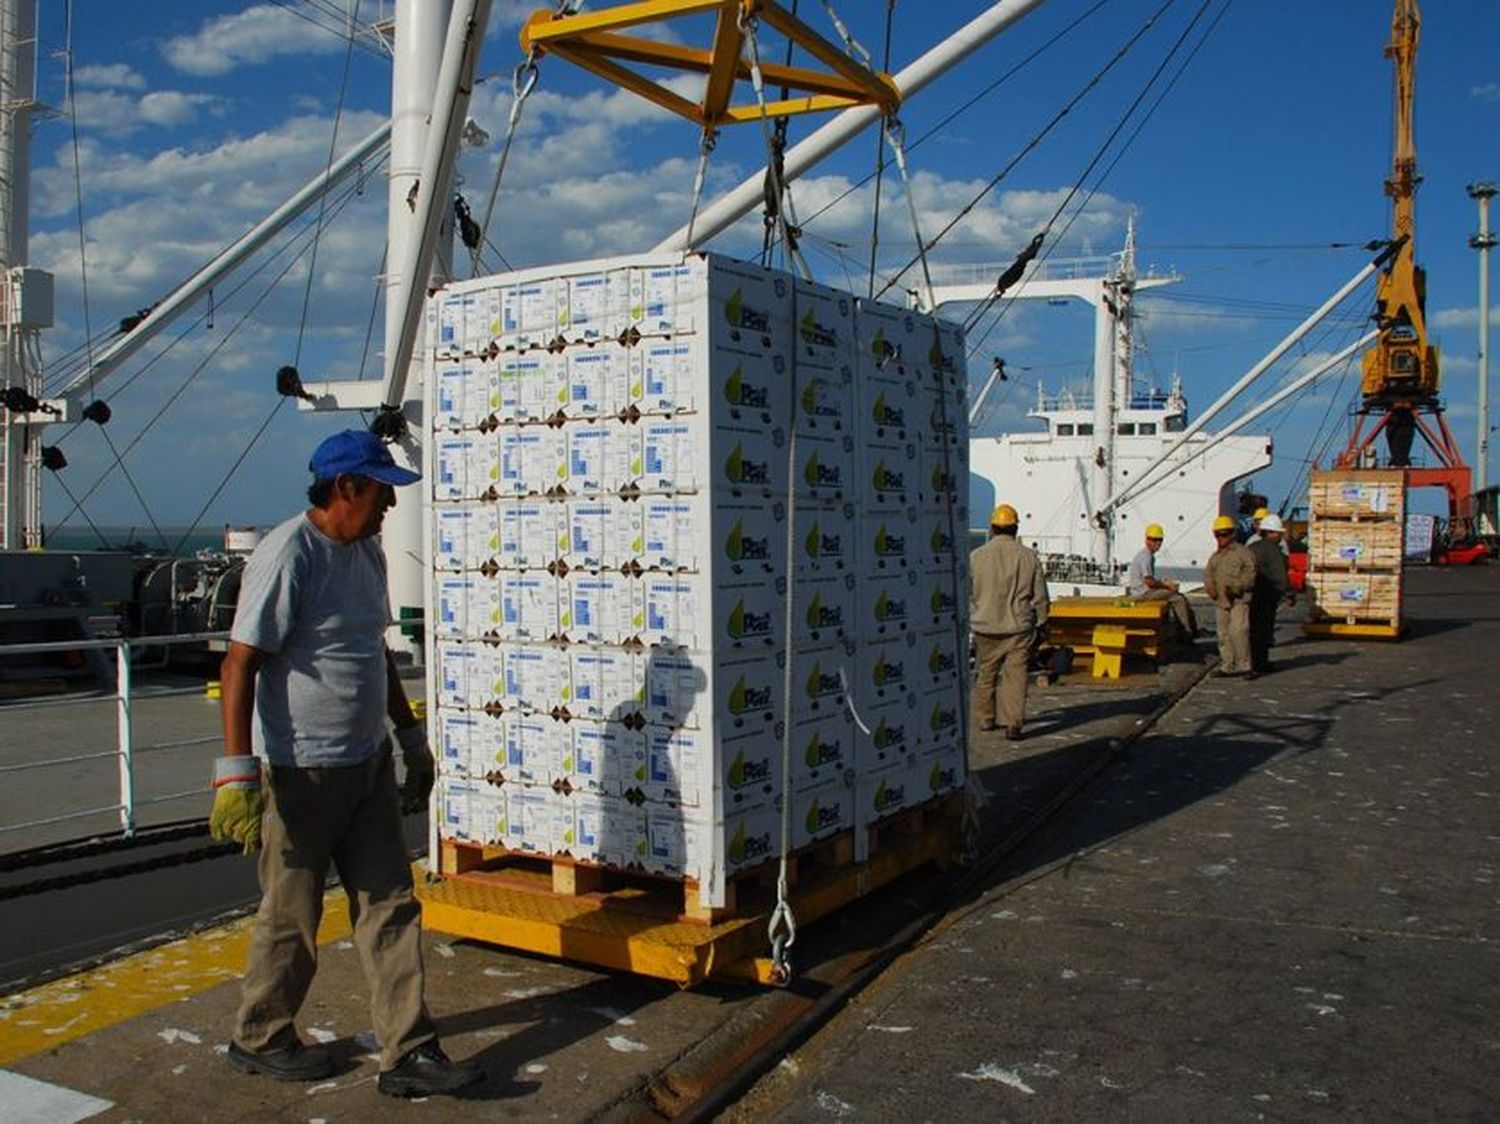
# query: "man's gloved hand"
[[420, 769], [238, 802]]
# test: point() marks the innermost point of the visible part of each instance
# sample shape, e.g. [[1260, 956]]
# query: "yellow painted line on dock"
[[53, 1013]]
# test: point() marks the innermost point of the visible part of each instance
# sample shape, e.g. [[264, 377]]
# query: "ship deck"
[[1202, 898]]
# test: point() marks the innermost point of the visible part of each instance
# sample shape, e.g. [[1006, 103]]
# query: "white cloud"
[[117, 75], [172, 107], [256, 35], [1485, 91], [1446, 318], [120, 113]]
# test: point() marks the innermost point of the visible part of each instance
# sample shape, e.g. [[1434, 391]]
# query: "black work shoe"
[[988, 728], [286, 1063], [427, 1071], [1012, 733]]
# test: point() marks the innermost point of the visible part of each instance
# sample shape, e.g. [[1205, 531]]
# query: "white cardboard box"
[[604, 608], [603, 757], [606, 682], [600, 533]]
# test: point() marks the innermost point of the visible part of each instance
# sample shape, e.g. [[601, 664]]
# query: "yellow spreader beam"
[[592, 40]]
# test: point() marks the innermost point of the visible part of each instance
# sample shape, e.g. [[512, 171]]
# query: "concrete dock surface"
[[1265, 899]]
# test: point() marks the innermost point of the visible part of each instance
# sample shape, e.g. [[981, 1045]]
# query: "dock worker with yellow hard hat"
[[1142, 583], [1229, 579], [1008, 607], [1259, 514]]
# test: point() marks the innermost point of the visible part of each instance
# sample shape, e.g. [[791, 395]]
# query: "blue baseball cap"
[[358, 452]]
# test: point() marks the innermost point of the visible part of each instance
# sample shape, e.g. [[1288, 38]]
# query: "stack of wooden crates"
[[1356, 540]]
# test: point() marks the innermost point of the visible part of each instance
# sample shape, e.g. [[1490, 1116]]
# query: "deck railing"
[[125, 752], [77, 769]]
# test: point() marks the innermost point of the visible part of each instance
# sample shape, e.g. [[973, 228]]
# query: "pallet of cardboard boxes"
[[654, 483], [1355, 549]]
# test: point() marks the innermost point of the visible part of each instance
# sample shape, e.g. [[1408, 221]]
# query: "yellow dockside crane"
[[1400, 383]]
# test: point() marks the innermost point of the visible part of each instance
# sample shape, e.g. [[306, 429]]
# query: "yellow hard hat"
[[1004, 516], [1224, 523], [1154, 531], [1261, 513]]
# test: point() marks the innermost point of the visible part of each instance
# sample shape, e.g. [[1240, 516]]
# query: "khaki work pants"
[[1178, 606], [1003, 658], [1233, 625], [351, 817]]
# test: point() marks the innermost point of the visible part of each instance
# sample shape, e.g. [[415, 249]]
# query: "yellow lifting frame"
[[591, 41]]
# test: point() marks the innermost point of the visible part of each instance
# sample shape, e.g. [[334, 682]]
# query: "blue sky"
[[194, 120]]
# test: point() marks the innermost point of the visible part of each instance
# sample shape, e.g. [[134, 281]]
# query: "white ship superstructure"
[[1095, 445], [1046, 476]]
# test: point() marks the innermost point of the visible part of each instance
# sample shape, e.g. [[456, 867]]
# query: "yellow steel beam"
[[623, 76], [728, 39], [739, 114], [546, 27], [878, 87], [589, 42], [696, 60]]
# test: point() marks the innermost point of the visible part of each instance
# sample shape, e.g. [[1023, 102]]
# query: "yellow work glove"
[[421, 771], [238, 802]]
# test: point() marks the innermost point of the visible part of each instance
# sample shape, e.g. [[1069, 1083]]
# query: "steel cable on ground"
[[1036, 139], [203, 364]]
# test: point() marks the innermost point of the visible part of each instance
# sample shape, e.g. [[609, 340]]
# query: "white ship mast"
[[25, 294], [1109, 287]]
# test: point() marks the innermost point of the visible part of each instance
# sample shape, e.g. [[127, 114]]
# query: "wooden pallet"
[[746, 892], [639, 926]]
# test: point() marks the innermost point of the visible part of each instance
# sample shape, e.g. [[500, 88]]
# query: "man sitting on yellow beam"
[[1143, 584]]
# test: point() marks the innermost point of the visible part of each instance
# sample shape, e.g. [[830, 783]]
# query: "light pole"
[[1482, 242]]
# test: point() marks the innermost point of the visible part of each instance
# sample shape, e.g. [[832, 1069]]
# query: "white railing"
[[1061, 269], [125, 753], [46, 808]]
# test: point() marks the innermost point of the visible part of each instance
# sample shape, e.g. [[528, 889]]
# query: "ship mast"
[[25, 294]]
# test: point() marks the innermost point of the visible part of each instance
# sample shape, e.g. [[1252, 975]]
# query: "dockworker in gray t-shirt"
[[1142, 583], [308, 688]]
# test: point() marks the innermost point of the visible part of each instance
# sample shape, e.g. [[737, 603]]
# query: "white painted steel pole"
[[417, 55], [1482, 242], [182, 297], [1148, 479], [20, 445], [728, 209], [449, 107], [1254, 373], [1102, 469], [125, 737]]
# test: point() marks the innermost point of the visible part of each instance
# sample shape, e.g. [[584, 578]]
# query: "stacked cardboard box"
[[654, 485], [1355, 549]]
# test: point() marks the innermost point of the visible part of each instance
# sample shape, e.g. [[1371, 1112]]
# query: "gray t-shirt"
[[320, 608], [1142, 566]]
